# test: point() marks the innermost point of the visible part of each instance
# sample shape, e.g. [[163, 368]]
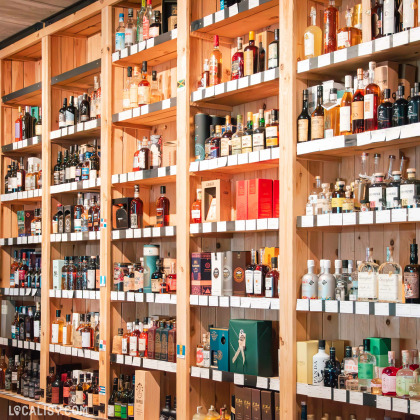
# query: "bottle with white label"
[[393, 190], [371, 100], [249, 274], [326, 283], [87, 334], [91, 274], [130, 30], [67, 331], [57, 329], [391, 17], [313, 37], [377, 193], [368, 278], [409, 188], [126, 339], [345, 107], [390, 284], [310, 282], [259, 276], [120, 34], [318, 364], [37, 323]]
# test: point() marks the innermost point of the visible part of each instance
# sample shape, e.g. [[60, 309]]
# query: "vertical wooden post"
[[105, 245], [46, 211], [182, 208], [287, 223], [2, 142]]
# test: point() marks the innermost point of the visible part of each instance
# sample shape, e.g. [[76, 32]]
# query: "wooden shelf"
[[236, 378], [155, 51], [74, 294], [238, 19], [79, 78], [164, 175], [80, 132], [164, 298], [403, 310], [22, 197], [144, 363], [30, 95], [403, 46], [235, 302], [235, 226], [236, 164], [236, 92], [383, 402], [92, 185], [147, 115], [147, 232], [23, 147], [21, 240], [20, 344], [74, 352], [75, 236]]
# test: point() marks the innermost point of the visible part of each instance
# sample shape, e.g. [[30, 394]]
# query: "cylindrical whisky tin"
[[201, 132], [150, 257]]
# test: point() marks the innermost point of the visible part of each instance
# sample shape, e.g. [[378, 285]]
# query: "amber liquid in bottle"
[[330, 28], [357, 110], [162, 209], [371, 101]]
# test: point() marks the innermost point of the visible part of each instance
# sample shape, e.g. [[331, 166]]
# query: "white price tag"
[[336, 219], [150, 297], [414, 406], [362, 308], [243, 82], [275, 384], [382, 402], [139, 297], [251, 224], [213, 300], [207, 227], [340, 55], [340, 395], [120, 359], [383, 43], [253, 3], [195, 372], [365, 48], [207, 20], [400, 38], [231, 85], [302, 305], [402, 310], [232, 160], [262, 224], [233, 10], [323, 220], [238, 379], [262, 382], [221, 226], [224, 301], [381, 308], [399, 215], [331, 306], [383, 216], [324, 60], [114, 295], [209, 92], [235, 301], [256, 78], [400, 405], [366, 217], [217, 375], [301, 389], [315, 305], [193, 299], [205, 373], [239, 225], [203, 300], [303, 66]]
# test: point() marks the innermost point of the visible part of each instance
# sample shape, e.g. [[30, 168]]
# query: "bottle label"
[[389, 23], [376, 196], [215, 71], [343, 39], [337, 202], [134, 221], [95, 400], [66, 391], [368, 285], [357, 110], [411, 285], [154, 31], [369, 105], [79, 397], [389, 384], [350, 366], [119, 41], [91, 279], [143, 95], [236, 69], [348, 205], [133, 345], [130, 410], [138, 280], [391, 192], [345, 120], [124, 346], [69, 118], [142, 160], [318, 370], [246, 144], [273, 55], [19, 180], [309, 288], [258, 141], [111, 411], [249, 281], [38, 130], [195, 214], [317, 127], [407, 192], [56, 177], [248, 62], [36, 329], [86, 340], [54, 333], [93, 174], [328, 133], [257, 282], [389, 286], [156, 156], [206, 358], [17, 131], [403, 385], [272, 136], [146, 27], [90, 400], [142, 344], [62, 119], [126, 102], [309, 44], [408, 14], [129, 36], [14, 377], [326, 287], [224, 147], [136, 163], [365, 370], [65, 335]]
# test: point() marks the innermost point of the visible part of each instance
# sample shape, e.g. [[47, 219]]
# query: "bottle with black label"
[[62, 115], [71, 113], [84, 110], [414, 105]]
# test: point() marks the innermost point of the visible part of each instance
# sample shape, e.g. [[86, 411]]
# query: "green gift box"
[[380, 347], [250, 345]]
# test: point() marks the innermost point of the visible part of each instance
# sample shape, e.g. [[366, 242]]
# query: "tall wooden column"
[[105, 245], [46, 211], [182, 208]]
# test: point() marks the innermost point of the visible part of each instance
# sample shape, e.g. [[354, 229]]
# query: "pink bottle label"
[[389, 384]]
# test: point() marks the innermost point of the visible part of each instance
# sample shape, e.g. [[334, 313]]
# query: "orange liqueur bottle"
[[196, 208], [330, 28], [215, 67]]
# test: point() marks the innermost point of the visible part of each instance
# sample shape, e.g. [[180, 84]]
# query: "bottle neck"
[[413, 258]]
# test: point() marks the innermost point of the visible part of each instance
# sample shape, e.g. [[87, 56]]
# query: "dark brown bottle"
[[162, 209], [337, 198], [412, 276]]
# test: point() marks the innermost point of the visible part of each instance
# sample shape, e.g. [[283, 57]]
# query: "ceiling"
[[16, 15]]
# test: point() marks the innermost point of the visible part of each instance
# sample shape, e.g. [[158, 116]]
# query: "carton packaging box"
[[386, 76], [219, 348], [217, 273], [247, 398], [201, 273], [277, 405], [227, 274], [239, 403], [168, 153], [29, 216], [327, 86], [256, 404], [276, 198], [260, 198], [407, 77], [147, 395], [240, 260], [305, 351], [120, 213], [7, 316], [267, 405], [57, 267], [270, 252], [68, 219], [380, 347], [242, 200], [21, 222], [215, 203]]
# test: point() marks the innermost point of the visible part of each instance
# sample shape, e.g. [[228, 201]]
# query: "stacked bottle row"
[[76, 273], [28, 124], [25, 269], [17, 179], [75, 390], [365, 108], [85, 108], [20, 375], [219, 137], [368, 281], [80, 163], [154, 338], [78, 330], [168, 412], [153, 153], [82, 217], [27, 323]]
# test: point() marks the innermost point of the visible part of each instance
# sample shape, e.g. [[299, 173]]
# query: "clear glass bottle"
[[144, 90], [366, 367], [312, 37], [405, 376], [236, 141], [368, 278], [348, 36], [390, 284], [215, 64], [409, 188], [332, 115], [57, 329], [156, 93], [130, 30], [126, 91], [120, 34], [357, 106], [377, 192]]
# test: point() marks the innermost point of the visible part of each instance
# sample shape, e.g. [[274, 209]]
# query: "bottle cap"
[[311, 263], [327, 264], [58, 313], [68, 318], [348, 81], [274, 262], [321, 344], [345, 263], [337, 264], [366, 344], [396, 172], [163, 189]]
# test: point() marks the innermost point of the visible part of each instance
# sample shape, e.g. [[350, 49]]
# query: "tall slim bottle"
[[371, 101], [312, 38], [357, 110], [330, 28]]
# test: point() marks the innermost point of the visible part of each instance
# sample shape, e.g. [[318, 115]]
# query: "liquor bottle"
[[249, 274], [317, 117], [38, 124], [413, 109], [94, 162], [318, 364], [368, 278], [139, 276], [326, 283], [409, 14], [345, 108], [7, 177], [310, 282], [215, 64], [142, 341], [27, 125], [377, 193], [157, 277], [133, 345], [156, 27], [366, 367], [130, 30], [236, 142], [400, 108], [357, 109], [66, 390], [409, 189], [273, 51], [71, 113], [226, 139], [385, 111], [3, 367], [261, 57], [57, 329], [349, 368], [126, 91], [72, 163], [91, 274], [393, 190], [62, 114], [87, 334], [15, 381], [144, 91], [162, 209], [139, 23], [404, 377], [136, 210], [330, 28], [151, 333], [312, 37], [133, 88], [251, 56], [272, 280], [158, 340], [391, 18], [111, 400], [371, 101], [147, 20], [377, 19], [71, 275], [332, 115], [8, 376], [56, 391], [390, 285], [389, 376], [29, 325], [120, 34], [18, 125], [205, 76], [84, 109], [196, 208], [97, 87], [338, 197], [125, 342], [172, 343], [348, 36], [258, 137], [57, 169], [331, 370], [22, 270], [67, 331], [260, 272], [155, 93], [215, 143], [247, 135], [143, 156], [411, 277], [165, 412], [20, 176]]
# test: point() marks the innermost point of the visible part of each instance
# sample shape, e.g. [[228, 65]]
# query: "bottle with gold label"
[[215, 65], [272, 130], [348, 36], [303, 122], [338, 197], [258, 138], [251, 56], [313, 37], [357, 109], [236, 141], [317, 117], [345, 108], [348, 203]]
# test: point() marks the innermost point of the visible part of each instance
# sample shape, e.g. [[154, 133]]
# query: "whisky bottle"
[[377, 18], [162, 209], [251, 56], [271, 280], [303, 121], [391, 19], [225, 140], [144, 90], [273, 51], [215, 143], [413, 110], [237, 69], [196, 208], [136, 210], [57, 329], [71, 113], [215, 64], [258, 137], [357, 111], [125, 343], [134, 340], [111, 400], [67, 331], [348, 36], [249, 274], [385, 111], [400, 108], [412, 276], [18, 125], [247, 135], [143, 340], [261, 57], [126, 91], [87, 334], [330, 28], [410, 11], [156, 27], [317, 117], [332, 115], [207, 144], [156, 94], [236, 142], [272, 130]]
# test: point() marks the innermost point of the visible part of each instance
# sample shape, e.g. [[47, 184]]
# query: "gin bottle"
[[318, 364], [326, 283], [366, 367], [389, 376], [331, 370], [404, 376], [393, 189], [368, 278], [390, 283], [310, 282]]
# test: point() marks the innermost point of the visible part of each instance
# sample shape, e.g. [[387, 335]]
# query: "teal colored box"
[[380, 347], [219, 348], [250, 345]]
